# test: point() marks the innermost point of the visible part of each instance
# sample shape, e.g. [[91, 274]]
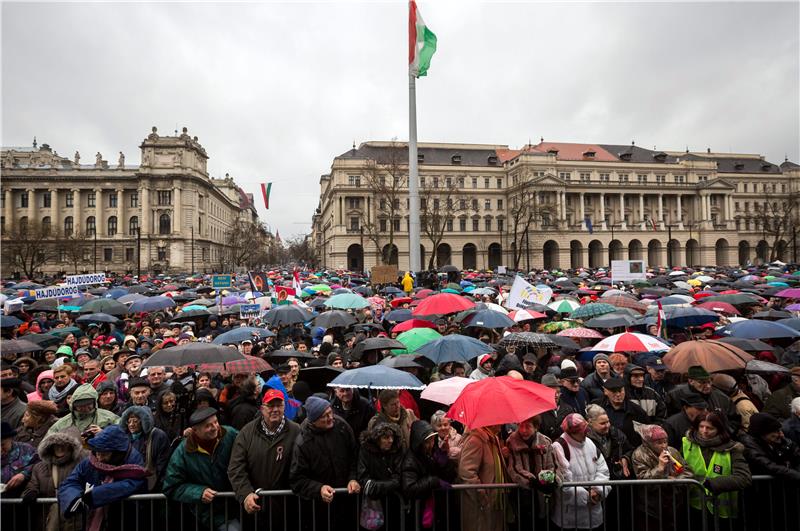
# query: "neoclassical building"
[[165, 215], [560, 205]]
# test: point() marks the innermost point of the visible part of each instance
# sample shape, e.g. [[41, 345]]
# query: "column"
[[582, 212], [622, 224], [563, 197], [145, 215], [661, 208], [177, 226], [77, 222], [55, 219], [603, 211], [122, 225], [680, 211], [537, 220], [31, 205], [8, 211], [98, 214], [641, 212]]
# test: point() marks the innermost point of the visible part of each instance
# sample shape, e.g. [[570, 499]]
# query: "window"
[[47, 225], [455, 159], [745, 187], [661, 179], [499, 182], [680, 179], [47, 199], [642, 178], [435, 204], [702, 178], [23, 224], [382, 225], [487, 204], [91, 199], [474, 182], [422, 181], [164, 197], [449, 204], [112, 200], [382, 180], [461, 182], [448, 182], [68, 226], [396, 204], [354, 180], [475, 205], [133, 225], [462, 225], [129, 254], [396, 225], [2, 224], [449, 225], [162, 254], [354, 226], [488, 223], [486, 182], [90, 226], [423, 203], [623, 178], [747, 206], [112, 225], [736, 205], [23, 199], [565, 175], [500, 225], [462, 204], [586, 177], [354, 202], [604, 177], [436, 181], [475, 226], [135, 200], [108, 254], [499, 204], [164, 224], [383, 204]]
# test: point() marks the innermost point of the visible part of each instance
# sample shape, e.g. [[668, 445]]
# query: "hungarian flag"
[[421, 42], [266, 188]]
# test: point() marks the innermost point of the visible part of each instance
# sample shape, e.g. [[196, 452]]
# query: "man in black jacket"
[[768, 451], [353, 408], [699, 384], [677, 424], [622, 412]]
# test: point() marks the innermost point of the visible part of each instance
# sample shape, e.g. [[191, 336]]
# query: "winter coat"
[[152, 443], [261, 462], [321, 458], [614, 446], [647, 399], [593, 385], [778, 404], [624, 419], [423, 473], [110, 483], [717, 401], [192, 470], [577, 401], [242, 410], [782, 460], [791, 429], [50, 472], [661, 387], [740, 477], [12, 413], [654, 500], [407, 418], [527, 459], [586, 463], [676, 427], [481, 453], [379, 471], [453, 444], [34, 436], [101, 417], [36, 395], [20, 459], [551, 420], [359, 414]]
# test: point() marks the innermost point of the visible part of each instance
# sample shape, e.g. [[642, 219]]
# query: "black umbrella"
[[191, 315], [286, 353], [528, 339], [44, 305], [334, 318], [748, 345], [399, 362], [193, 354], [610, 320], [43, 340], [286, 315], [318, 378], [18, 346], [96, 318], [764, 367], [139, 288], [448, 269], [375, 343], [562, 341], [772, 315], [109, 306]]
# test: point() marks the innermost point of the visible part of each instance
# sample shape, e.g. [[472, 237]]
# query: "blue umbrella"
[[96, 318], [398, 316], [760, 329], [793, 323], [9, 321], [151, 304], [488, 319], [377, 377], [683, 317], [237, 335], [454, 347], [115, 293], [131, 297], [391, 290]]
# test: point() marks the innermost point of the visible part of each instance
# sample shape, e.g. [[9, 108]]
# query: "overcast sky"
[[275, 90]]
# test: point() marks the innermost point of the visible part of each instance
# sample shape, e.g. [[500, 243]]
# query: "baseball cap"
[[272, 394]]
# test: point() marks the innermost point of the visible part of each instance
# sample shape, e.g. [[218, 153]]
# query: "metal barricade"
[[770, 504]]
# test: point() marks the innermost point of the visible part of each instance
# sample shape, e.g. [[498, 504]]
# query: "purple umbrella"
[[230, 300], [789, 293]]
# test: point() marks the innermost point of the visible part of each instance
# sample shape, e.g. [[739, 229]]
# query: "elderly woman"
[[379, 467], [448, 439], [530, 453], [151, 442], [16, 461], [482, 463], [36, 420], [655, 459], [393, 412], [611, 441]]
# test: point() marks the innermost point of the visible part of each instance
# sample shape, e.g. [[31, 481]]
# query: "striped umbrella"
[[564, 305], [631, 342], [524, 315]]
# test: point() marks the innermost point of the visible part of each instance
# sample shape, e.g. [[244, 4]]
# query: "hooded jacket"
[[152, 443], [379, 471], [422, 473], [50, 468], [36, 395], [782, 461], [320, 458], [109, 385], [100, 417]]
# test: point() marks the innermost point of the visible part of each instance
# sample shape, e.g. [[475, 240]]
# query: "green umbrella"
[[453, 286], [641, 283], [345, 301], [66, 308], [592, 310], [415, 338], [564, 305], [64, 332], [451, 290], [319, 287]]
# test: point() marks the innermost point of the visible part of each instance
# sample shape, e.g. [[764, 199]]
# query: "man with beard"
[[61, 389], [85, 418]]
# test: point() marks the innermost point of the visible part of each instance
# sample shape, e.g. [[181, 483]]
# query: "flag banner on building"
[[421, 43], [522, 292], [589, 225], [266, 188]]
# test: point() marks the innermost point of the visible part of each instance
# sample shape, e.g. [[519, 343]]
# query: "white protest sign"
[[627, 270], [522, 291], [85, 280], [54, 292]]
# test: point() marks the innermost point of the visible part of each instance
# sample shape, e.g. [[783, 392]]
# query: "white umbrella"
[[446, 391]]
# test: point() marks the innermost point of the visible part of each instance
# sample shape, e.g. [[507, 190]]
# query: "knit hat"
[[42, 408], [65, 350], [697, 372], [600, 356], [574, 423], [651, 432], [315, 407], [762, 424], [550, 380], [568, 364]]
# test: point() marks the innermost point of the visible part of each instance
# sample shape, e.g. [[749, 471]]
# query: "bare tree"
[[73, 249], [299, 250], [29, 246], [248, 245], [440, 204], [776, 215], [524, 210], [386, 179]]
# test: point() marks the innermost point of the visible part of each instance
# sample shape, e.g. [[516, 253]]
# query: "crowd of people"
[[87, 418]]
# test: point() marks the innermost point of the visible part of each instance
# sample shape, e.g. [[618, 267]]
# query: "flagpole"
[[413, 180]]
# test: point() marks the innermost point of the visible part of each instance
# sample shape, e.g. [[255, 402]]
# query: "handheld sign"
[[54, 292], [220, 281], [249, 310], [85, 280]]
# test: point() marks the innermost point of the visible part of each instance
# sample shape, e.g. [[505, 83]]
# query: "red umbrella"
[[720, 307], [421, 294], [249, 364], [441, 304], [405, 326], [581, 333], [501, 400], [400, 301]]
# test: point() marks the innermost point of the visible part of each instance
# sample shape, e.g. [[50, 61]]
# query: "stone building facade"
[[163, 216], [586, 204]]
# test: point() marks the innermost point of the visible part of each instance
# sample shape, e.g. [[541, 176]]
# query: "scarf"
[[497, 495], [272, 433], [57, 396], [119, 472]]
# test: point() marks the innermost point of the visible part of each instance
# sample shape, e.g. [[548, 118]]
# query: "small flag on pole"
[[589, 225], [266, 188], [421, 43]]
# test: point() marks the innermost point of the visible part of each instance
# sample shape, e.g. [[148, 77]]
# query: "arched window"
[[68, 226], [47, 225], [164, 224], [23, 224], [133, 225], [112, 225], [90, 226]]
